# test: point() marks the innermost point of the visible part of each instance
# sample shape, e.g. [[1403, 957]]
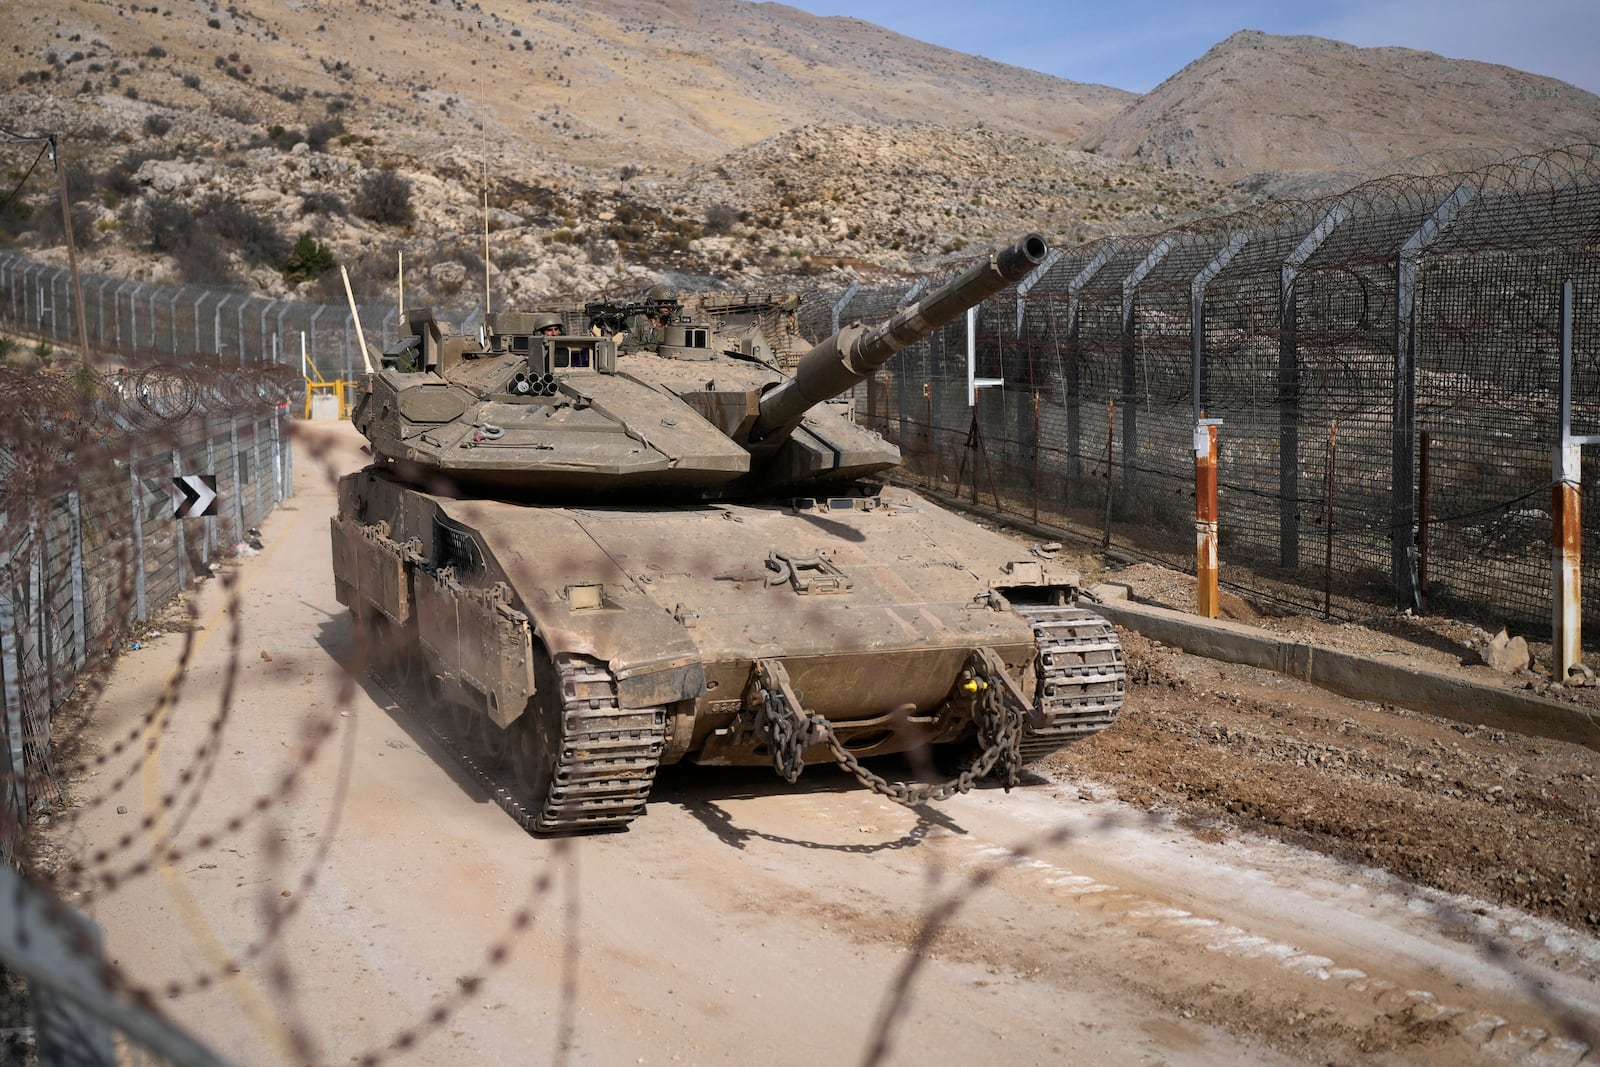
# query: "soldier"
[[648, 330], [547, 323]]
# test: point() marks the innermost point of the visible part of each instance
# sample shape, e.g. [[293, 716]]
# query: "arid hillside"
[[1262, 104], [621, 141]]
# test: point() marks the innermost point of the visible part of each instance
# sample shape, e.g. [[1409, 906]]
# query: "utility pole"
[[72, 251]]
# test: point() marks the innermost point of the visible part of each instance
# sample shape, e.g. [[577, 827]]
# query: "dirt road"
[[297, 874]]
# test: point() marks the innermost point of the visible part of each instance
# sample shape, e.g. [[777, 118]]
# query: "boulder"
[[1505, 653]]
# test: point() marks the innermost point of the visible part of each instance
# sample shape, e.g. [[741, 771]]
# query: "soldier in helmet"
[[547, 324], [647, 330]]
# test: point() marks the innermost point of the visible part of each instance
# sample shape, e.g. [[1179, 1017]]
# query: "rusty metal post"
[[1567, 521], [1205, 516]]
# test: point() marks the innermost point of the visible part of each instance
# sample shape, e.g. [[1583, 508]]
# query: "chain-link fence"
[[136, 323], [1384, 363]]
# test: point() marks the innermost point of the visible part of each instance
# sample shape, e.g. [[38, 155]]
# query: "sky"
[[1137, 47]]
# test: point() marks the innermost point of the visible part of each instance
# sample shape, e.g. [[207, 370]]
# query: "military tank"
[[601, 562]]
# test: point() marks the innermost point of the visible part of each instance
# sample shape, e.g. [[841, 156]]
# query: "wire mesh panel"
[[1383, 363]]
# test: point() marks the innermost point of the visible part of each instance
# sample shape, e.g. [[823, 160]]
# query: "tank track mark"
[[606, 758], [1082, 677]]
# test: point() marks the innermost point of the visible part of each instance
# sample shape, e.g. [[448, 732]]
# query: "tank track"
[[608, 755], [1082, 677], [605, 767]]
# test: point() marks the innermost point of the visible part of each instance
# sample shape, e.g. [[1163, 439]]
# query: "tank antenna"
[[400, 269], [366, 361]]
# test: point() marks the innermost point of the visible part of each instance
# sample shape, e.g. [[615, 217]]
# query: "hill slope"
[[1258, 103]]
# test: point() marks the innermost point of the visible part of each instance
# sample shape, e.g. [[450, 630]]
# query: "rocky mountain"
[[621, 141], [1258, 104]]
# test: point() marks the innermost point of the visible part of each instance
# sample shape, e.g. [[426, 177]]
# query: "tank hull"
[[871, 604]]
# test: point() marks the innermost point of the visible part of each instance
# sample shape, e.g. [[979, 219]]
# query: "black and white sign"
[[194, 496]]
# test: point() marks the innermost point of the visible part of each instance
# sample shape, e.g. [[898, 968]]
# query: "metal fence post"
[[839, 306], [172, 321], [13, 785], [1130, 369], [1403, 560], [238, 478], [180, 540], [1289, 384], [1072, 385], [209, 522], [1566, 614], [79, 628], [136, 495]]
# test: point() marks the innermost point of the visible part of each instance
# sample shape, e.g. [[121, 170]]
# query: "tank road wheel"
[[464, 720], [492, 740], [535, 740]]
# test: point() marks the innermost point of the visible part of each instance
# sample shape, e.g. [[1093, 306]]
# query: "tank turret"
[[515, 411]]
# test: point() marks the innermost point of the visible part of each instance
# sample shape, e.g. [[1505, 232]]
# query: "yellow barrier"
[[339, 389]]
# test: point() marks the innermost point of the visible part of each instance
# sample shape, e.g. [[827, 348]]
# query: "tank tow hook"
[[999, 709], [781, 720]]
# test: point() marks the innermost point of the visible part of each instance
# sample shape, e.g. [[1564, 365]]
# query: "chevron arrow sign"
[[194, 496]]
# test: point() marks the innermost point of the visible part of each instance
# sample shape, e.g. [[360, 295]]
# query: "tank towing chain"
[[999, 709]]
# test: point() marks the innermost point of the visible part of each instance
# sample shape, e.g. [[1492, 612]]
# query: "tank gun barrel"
[[855, 353]]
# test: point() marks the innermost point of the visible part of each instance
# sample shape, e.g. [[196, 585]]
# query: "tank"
[[602, 557]]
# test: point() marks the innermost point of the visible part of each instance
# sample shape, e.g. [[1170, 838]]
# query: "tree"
[[308, 260]]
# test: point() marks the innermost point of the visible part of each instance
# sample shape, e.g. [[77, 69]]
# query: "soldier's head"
[[547, 323], [663, 303]]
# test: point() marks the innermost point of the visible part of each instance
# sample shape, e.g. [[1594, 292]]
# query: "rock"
[[1505, 653], [170, 175]]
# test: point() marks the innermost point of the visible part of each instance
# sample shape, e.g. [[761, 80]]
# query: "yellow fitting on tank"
[[972, 685]]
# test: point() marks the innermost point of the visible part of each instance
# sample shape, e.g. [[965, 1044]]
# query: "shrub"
[[192, 81], [323, 204], [256, 238], [720, 218], [385, 198], [204, 261], [308, 260], [157, 125], [118, 177], [162, 224], [321, 133]]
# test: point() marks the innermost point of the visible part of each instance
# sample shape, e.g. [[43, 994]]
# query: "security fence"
[[90, 538], [136, 323], [1385, 366]]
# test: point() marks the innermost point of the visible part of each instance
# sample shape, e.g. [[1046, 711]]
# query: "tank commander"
[[547, 324], [648, 329]]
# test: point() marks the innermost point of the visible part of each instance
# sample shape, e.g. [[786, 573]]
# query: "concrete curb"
[[1361, 677]]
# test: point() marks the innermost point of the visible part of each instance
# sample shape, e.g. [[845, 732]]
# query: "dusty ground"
[[1510, 818]]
